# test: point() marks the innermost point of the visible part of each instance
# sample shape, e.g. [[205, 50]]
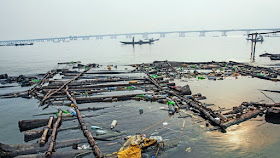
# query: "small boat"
[[275, 57], [271, 56], [258, 39], [150, 41]]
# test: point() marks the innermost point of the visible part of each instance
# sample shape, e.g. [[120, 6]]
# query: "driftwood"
[[207, 113], [82, 109], [64, 154], [262, 104], [31, 135], [97, 152], [25, 125], [25, 149], [89, 87], [242, 118], [44, 135], [54, 133], [61, 87]]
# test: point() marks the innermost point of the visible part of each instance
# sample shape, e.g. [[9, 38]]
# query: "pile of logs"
[[77, 87]]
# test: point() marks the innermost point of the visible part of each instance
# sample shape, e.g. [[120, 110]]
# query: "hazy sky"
[[23, 19]]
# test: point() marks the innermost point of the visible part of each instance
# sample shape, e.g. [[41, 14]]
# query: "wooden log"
[[243, 118], [197, 105], [81, 109], [52, 143], [25, 125], [64, 154], [25, 149], [97, 152], [61, 87], [31, 135], [96, 86], [44, 135]]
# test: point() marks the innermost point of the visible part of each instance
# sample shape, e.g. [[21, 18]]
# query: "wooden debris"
[[44, 135], [52, 143]]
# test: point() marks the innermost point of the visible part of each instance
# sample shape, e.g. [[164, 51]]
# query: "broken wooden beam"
[[54, 133], [242, 118], [44, 135], [97, 152], [31, 135]]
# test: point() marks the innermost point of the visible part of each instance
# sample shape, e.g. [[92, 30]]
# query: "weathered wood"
[[25, 125], [44, 135], [243, 118], [25, 149], [197, 105], [31, 135], [64, 154], [81, 109], [89, 87], [52, 143], [97, 152], [61, 87]]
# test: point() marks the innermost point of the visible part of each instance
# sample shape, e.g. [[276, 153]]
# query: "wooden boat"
[[150, 41]]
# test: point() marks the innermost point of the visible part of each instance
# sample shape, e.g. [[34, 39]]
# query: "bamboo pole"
[[97, 152], [52, 143], [44, 135]]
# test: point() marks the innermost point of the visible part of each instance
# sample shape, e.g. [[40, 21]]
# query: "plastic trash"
[[83, 147], [73, 111], [114, 124], [171, 109], [112, 88], [141, 110], [189, 149], [164, 123], [170, 103], [148, 96], [100, 132], [132, 82], [95, 127], [201, 78], [157, 138]]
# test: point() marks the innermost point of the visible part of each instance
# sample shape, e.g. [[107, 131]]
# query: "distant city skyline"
[[38, 19]]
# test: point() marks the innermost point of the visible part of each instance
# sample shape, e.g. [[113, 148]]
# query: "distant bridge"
[[130, 35]]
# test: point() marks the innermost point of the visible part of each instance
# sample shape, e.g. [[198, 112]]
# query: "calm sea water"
[[249, 139]]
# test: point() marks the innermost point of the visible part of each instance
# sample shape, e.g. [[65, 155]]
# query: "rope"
[[268, 97], [156, 124]]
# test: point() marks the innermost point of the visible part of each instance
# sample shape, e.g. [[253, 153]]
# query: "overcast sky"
[[23, 19]]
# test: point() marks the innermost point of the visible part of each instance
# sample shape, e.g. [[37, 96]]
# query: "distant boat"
[[150, 41], [258, 39], [18, 44], [271, 56]]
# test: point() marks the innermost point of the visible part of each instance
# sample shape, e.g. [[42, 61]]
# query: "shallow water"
[[249, 139]]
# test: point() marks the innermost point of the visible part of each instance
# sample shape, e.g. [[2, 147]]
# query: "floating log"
[[97, 152], [25, 149], [61, 87], [206, 112], [64, 154], [82, 109], [72, 88], [261, 104], [31, 135], [44, 135], [243, 118], [54, 133], [25, 125]]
